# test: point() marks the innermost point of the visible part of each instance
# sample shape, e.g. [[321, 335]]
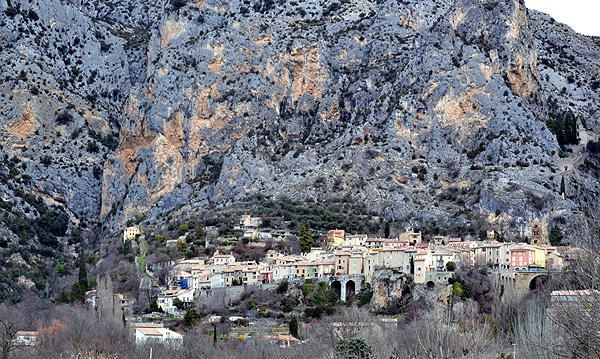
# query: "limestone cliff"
[[399, 104], [391, 291]]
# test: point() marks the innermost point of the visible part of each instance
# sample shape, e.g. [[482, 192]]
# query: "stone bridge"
[[346, 285], [517, 284]]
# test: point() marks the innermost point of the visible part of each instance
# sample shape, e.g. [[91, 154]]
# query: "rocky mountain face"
[[430, 109]]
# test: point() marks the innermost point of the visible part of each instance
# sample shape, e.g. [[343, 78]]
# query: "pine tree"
[[555, 236], [306, 240], [191, 318], [63, 297], [355, 348], [293, 325]]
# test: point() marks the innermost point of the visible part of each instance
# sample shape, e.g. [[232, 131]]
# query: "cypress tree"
[[79, 288], [306, 240], [562, 185], [293, 325], [83, 281], [387, 230]]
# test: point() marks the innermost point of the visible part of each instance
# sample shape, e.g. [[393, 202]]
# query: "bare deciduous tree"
[[536, 336], [12, 320], [433, 337]]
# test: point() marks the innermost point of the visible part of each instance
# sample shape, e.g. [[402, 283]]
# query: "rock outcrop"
[[391, 291]]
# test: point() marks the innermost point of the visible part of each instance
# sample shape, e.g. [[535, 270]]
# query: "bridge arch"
[[538, 281], [336, 286], [350, 289], [346, 286]]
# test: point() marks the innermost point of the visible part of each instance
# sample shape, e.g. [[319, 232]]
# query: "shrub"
[[178, 4], [92, 147], [32, 15], [64, 117], [22, 75], [183, 229], [46, 160], [11, 11], [308, 287], [364, 297], [282, 287]]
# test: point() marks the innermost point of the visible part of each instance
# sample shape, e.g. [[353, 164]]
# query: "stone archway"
[[430, 285], [538, 281], [350, 290], [345, 286]]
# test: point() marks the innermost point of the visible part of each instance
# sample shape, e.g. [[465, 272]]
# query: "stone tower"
[[536, 233]]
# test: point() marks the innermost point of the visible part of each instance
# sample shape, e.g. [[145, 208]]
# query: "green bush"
[[364, 297], [308, 287], [450, 266]]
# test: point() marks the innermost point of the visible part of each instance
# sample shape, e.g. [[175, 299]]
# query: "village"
[[356, 254], [345, 262], [355, 257]]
